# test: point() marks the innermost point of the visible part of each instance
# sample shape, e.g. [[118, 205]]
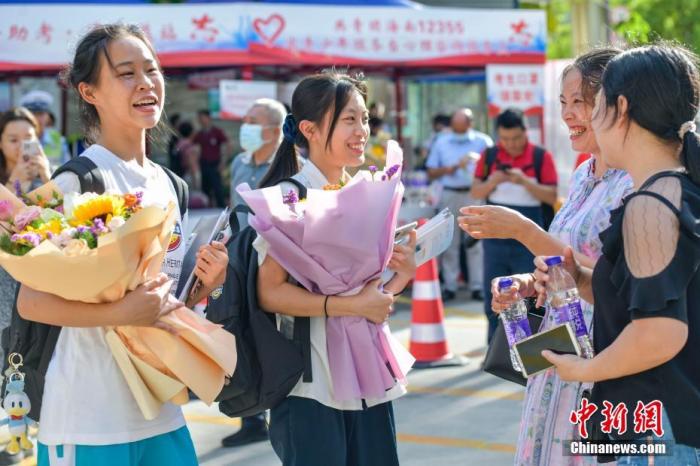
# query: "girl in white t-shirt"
[[310, 427], [88, 415]]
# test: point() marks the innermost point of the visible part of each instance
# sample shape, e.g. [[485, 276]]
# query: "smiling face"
[[576, 113], [129, 93], [346, 147]]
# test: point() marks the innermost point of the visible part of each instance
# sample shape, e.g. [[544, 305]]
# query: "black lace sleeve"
[[654, 245]]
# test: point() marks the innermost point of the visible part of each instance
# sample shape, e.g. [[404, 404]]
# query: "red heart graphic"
[[269, 29]]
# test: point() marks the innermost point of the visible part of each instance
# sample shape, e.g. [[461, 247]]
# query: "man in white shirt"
[[452, 161]]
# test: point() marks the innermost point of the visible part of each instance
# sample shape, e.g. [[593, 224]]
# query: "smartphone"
[[401, 233], [30, 148], [560, 339]]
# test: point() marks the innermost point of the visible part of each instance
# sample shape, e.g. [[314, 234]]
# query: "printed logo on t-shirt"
[[175, 238]]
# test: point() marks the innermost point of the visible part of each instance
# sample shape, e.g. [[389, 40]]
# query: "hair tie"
[[688, 126], [290, 130]]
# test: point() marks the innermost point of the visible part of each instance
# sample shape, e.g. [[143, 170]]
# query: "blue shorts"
[[174, 449]]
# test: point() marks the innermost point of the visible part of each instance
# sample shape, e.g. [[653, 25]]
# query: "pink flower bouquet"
[[333, 243]]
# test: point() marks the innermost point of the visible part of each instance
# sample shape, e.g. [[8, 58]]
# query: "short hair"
[[276, 112], [204, 112], [441, 119], [375, 122], [510, 118], [185, 129]]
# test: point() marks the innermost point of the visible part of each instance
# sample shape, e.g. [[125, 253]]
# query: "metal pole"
[[398, 90]]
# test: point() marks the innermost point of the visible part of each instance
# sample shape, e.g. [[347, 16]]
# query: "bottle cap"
[[554, 260], [506, 282]]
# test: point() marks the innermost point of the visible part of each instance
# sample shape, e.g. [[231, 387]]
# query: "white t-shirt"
[[86, 398], [321, 388]]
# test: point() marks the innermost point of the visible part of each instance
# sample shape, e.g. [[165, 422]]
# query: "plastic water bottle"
[[564, 303], [515, 322]]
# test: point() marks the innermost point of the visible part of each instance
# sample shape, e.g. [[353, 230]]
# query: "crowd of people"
[[628, 233]]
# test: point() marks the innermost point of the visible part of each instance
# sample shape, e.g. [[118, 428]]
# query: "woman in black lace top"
[[646, 286]]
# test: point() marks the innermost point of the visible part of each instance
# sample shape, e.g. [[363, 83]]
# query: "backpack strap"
[[182, 191], [302, 325], [87, 172], [491, 154], [539, 160], [233, 218], [299, 185]]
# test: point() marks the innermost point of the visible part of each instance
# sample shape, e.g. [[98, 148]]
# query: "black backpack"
[[269, 364], [491, 159], [36, 341]]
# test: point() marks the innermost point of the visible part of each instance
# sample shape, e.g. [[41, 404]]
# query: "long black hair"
[[591, 65], [315, 96], [662, 86], [85, 67]]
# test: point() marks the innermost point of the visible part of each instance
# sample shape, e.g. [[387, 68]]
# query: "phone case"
[[560, 339]]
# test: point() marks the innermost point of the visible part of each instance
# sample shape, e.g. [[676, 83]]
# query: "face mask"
[[250, 137]]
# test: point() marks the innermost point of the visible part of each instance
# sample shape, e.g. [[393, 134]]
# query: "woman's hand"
[[40, 167], [570, 368], [372, 303], [144, 306], [571, 265], [403, 259], [210, 268], [523, 286], [24, 172], [493, 222]]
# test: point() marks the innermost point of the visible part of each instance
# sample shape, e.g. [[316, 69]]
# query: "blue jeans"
[[503, 257], [678, 455]]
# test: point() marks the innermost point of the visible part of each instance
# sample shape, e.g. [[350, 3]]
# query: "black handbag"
[[497, 361]]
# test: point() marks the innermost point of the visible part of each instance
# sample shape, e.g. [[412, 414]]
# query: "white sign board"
[[515, 86], [236, 97]]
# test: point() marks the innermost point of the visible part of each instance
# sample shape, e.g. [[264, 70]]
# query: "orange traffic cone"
[[428, 340]]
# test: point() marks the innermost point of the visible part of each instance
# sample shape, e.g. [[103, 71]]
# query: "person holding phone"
[[22, 159], [514, 180]]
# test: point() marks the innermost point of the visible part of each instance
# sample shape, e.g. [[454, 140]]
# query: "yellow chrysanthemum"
[[104, 206], [53, 226]]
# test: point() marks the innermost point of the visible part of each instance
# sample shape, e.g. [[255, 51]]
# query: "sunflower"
[[104, 206]]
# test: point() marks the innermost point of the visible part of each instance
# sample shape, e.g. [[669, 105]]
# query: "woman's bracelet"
[[325, 306]]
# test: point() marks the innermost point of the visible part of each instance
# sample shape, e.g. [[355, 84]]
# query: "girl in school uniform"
[[88, 415], [329, 120]]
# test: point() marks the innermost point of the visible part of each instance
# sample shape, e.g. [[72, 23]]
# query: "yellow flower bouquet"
[[110, 244]]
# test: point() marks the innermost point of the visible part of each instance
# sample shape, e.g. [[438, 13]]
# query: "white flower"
[[115, 223], [73, 200], [49, 214]]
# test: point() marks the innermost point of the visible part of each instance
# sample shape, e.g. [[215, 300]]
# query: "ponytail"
[[284, 166], [690, 155]]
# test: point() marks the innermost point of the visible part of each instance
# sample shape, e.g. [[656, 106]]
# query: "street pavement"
[[451, 416]]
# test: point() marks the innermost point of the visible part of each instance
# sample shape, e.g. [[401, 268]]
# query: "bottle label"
[[516, 330], [561, 314], [576, 318]]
